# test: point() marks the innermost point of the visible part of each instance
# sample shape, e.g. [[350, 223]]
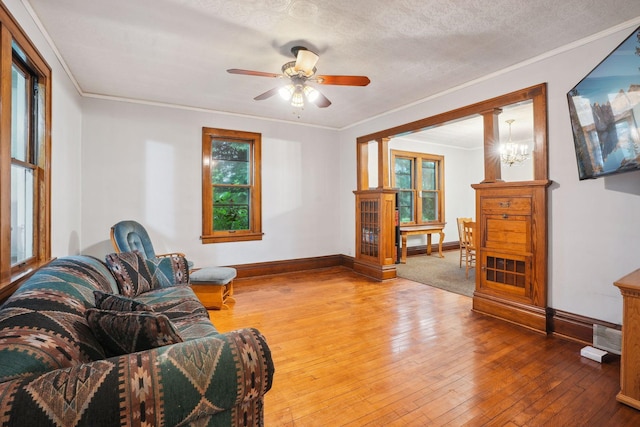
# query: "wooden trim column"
[[362, 165], [383, 163], [492, 169]]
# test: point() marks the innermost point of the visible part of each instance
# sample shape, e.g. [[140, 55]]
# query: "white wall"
[[144, 162], [66, 140], [594, 232]]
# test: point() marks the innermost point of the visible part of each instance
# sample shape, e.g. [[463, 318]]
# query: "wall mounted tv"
[[605, 113]]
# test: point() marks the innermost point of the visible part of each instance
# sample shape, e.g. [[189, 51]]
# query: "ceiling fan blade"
[[321, 101], [343, 80], [267, 94], [253, 73]]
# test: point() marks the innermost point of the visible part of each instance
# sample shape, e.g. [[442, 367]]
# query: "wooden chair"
[[463, 251], [468, 231]]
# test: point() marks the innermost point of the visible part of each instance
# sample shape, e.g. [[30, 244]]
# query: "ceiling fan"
[[300, 72]]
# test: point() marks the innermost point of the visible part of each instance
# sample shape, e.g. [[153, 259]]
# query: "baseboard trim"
[[376, 272], [291, 266], [574, 327], [530, 317], [561, 324]]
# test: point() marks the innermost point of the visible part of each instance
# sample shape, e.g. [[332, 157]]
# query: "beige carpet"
[[443, 273]]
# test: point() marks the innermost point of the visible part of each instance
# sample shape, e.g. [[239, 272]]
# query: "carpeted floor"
[[444, 273]]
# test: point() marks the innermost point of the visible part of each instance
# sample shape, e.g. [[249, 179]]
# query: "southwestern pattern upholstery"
[[168, 270], [122, 332], [131, 272], [115, 302], [54, 372]]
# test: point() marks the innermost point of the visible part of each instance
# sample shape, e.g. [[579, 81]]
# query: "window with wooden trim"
[[231, 186], [25, 155], [419, 178]]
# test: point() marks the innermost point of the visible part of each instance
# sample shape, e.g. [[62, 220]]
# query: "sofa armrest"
[[227, 374]]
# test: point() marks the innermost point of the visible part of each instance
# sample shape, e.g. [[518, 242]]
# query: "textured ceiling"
[[178, 51]]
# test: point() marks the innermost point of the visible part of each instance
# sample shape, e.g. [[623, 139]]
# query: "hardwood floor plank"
[[350, 351]]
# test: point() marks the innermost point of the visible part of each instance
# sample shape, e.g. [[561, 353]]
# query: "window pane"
[[429, 175], [429, 206], [21, 214], [405, 205], [403, 170], [230, 162], [403, 166], [231, 208], [19, 114]]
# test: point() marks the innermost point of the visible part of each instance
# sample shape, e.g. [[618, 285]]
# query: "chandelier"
[[514, 153]]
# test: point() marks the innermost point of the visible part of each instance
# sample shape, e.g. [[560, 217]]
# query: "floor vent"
[[608, 339]]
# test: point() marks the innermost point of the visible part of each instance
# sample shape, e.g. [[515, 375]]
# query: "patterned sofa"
[[54, 371]]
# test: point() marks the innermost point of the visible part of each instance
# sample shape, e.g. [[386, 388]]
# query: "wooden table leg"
[[403, 257], [428, 243], [440, 244]]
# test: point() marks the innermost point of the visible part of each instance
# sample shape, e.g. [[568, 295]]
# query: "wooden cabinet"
[[511, 263], [375, 233], [629, 286]]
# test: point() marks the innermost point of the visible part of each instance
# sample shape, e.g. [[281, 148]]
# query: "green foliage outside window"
[[404, 181], [231, 178], [429, 195]]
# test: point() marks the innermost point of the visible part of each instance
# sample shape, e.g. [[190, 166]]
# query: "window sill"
[[231, 237]]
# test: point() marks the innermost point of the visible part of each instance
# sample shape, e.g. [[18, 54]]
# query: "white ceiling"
[[177, 51]]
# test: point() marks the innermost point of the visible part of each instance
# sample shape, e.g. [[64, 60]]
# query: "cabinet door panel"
[[512, 233], [506, 273]]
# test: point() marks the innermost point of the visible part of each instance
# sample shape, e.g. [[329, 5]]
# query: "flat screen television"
[[605, 113]]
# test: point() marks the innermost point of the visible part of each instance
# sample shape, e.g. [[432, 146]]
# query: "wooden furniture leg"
[[403, 257]]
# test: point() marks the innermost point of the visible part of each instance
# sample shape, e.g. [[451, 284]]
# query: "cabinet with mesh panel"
[[375, 233], [511, 255]]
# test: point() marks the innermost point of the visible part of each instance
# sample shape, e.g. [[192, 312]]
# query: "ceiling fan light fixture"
[[297, 99], [311, 93], [306, 62], [286, 91], [289, 69]]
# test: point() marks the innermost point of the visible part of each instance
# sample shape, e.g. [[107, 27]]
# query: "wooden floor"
[[350, 351]]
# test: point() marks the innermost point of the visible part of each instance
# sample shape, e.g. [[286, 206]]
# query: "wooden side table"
[[629, 286], [411, 230]]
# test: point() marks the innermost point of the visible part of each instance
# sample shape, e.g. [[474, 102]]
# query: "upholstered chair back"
[[129, 236]]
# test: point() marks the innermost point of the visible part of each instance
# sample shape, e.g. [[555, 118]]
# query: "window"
[[231, 189], [25, 108], [419, 179]]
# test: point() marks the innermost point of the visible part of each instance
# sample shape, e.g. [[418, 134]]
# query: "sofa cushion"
[[128, 332], [168, 271], [106, 301], [131, 272]]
